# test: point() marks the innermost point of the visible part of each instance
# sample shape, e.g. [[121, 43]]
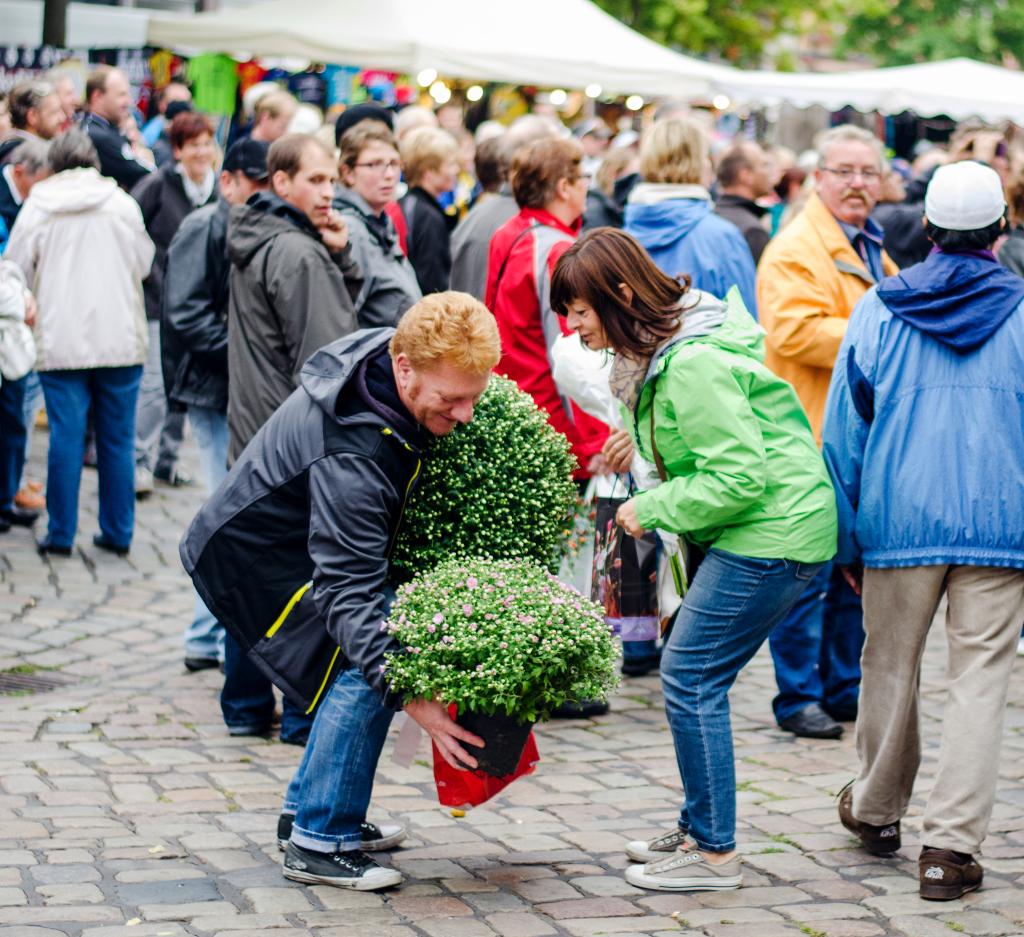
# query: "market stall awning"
[[958, 88], [553, 43], [89, 26]]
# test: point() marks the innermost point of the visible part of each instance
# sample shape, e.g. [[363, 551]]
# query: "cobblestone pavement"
[[125, 808]]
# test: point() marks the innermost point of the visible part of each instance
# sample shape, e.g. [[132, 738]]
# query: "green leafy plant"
[[500, 486], [498, 636]]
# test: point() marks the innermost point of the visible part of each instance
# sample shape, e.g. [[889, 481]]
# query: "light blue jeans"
[[733, 603], [205, 636], [330, 792]]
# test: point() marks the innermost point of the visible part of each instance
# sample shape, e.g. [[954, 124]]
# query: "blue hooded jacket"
[[924, 424], [683, 235]]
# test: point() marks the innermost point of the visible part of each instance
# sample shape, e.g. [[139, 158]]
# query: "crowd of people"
[[814, 354]]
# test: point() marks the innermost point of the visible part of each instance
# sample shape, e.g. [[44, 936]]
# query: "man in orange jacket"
[[809, 279]]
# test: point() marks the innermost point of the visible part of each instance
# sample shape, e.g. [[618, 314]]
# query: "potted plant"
[[500, 486], [502, 640]]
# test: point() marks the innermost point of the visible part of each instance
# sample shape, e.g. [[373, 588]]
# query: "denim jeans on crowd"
[[330, 792], [816, 647], [204, 638], [12, 439], [33, 404], [112, 394], [731, 606], [157, 426], [247, 698]]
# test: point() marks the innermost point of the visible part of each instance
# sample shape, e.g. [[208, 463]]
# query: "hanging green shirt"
[[214, 79]]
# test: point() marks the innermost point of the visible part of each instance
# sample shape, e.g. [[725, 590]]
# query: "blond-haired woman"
[[671, 214]]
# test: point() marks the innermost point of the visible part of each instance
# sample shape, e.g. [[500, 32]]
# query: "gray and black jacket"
[[291, 552], [389, 282]]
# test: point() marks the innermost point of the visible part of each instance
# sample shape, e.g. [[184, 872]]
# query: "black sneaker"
[[354, 869], [373, 838]]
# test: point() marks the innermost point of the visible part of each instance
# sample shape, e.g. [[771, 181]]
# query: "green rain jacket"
[[744, 473]]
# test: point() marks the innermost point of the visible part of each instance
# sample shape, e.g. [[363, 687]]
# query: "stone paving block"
[[705, 917], [12, 897], [455, 927], [594, 926], [545, 889], [588, 908], [276, 900], [187, 911], [419, 908], [511, 924], [78, 914], [824, 911], [230, 922], [70, 894], [136, 930]]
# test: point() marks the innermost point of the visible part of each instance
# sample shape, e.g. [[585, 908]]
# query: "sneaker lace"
[[355, 861]]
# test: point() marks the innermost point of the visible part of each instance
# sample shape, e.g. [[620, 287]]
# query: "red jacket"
[[523, 255]]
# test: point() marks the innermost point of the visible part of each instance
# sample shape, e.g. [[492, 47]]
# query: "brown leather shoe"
[[878, 840], [946, 875]]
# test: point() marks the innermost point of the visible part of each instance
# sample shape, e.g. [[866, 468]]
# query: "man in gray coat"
[[292, 286]]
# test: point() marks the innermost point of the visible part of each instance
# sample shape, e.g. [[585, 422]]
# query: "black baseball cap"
[[248, 157], [177, 107]]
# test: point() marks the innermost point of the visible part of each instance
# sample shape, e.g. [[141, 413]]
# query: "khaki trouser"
[[983, 624]]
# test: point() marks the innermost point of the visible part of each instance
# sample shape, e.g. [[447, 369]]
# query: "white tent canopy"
[[88, 25], [958, 88], [553, 43]]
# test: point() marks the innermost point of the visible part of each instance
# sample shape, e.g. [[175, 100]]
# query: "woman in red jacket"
[[551, 191]]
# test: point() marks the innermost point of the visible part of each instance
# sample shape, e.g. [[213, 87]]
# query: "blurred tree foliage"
[[898, 32], [885, 32]]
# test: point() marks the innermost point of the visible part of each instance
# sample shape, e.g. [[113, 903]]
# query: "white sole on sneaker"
[[636, 875], [380, 878]]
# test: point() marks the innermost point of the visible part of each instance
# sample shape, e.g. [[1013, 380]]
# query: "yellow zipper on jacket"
[[292, 602], [323, 683]]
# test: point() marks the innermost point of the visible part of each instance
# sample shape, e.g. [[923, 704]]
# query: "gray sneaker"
[[686, 871], [658, 848]]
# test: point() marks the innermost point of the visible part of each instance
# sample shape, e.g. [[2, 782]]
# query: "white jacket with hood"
[[84, 250]]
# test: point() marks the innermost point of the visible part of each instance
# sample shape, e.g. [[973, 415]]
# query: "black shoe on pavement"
[[373, 838], [946, 875], [847, 713], [261, 730], [19, 517], [584, 710], [45, 548], [195, 664], [173, 476], [878, 840], [812, 722], [101, 542], [353, 869], [640, 666], [4, 526]]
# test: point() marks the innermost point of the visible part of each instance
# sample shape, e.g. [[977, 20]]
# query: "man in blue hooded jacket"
[[924, 439]]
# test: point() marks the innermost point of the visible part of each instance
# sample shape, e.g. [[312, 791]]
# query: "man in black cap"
[[194, 336]]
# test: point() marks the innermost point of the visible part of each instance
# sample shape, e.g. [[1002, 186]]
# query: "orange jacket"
[[808, 281]]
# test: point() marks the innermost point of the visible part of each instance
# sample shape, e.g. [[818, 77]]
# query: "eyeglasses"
[[379, 165], [845, 174]]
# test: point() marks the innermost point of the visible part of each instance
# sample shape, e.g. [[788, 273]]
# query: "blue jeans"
[[731, 606], [205, 636], [330, 791], [816, 647], [13, 433], [247, 698], [33, 404], [112, 393]]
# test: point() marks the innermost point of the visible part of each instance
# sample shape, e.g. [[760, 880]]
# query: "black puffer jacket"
[[291, 551], [194, 325]]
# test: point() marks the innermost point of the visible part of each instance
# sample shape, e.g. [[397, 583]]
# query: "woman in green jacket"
[[741, 479]]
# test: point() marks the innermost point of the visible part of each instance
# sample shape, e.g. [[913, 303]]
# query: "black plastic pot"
[[505, 737]]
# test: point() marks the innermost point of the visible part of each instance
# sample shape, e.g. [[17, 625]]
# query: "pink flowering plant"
[[498, 636], [500, 486]]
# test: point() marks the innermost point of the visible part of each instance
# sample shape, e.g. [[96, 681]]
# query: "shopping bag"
[[464, 789], [625, 576]]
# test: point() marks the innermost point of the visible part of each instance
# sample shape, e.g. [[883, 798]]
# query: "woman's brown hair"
[[594, 269], [538, 167]]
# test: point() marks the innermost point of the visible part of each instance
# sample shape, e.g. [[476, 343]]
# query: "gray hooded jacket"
[[288, 297], [291, 552]]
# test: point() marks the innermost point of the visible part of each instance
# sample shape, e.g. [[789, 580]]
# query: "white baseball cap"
[[964, 196]]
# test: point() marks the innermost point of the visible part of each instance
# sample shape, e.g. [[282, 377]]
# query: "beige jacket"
[[84, 250]]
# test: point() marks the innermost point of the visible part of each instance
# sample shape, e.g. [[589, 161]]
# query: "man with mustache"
[[808, 281]]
